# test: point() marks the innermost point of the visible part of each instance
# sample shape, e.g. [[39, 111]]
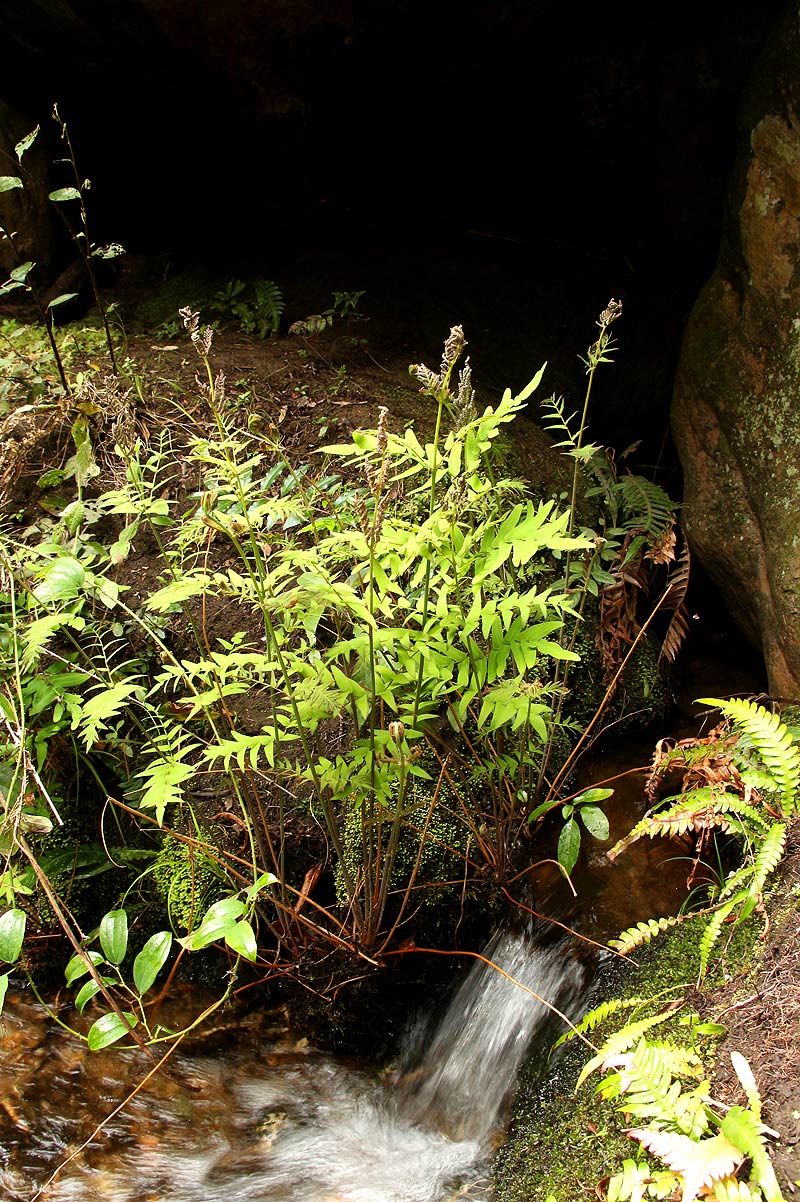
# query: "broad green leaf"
[[263, 881], [241, 939], [106, 591], [20, 274], [61, 581], [215, 925], [12, 933], [3, 988], [108, 1029], [25, 143], [64, 194], [62, 300], [569, 845], [595, 821], [593, 795], [35, 824], [88, 990], [114, 935], [77, 966], [72, 516], [7, 182], [151, 960]]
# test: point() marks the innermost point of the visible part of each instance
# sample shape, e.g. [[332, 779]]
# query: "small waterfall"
[[308, 1128], [471, 1064]]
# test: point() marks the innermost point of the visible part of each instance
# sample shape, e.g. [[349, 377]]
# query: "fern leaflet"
[[645, 505]]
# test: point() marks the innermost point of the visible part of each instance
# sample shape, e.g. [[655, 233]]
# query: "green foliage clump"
[[185, 881]]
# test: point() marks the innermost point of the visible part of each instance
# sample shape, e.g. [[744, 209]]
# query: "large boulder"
[[736, 407]]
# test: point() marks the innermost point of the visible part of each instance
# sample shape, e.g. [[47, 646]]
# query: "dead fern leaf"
[[674, 599], [699, 1162]]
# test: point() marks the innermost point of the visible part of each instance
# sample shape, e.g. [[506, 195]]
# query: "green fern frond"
[[731, 1189], [681, 1061], [557, 421], [599, 1015], [621, 1041], [683, 809], [713, 928], [642, 933], [645, 505], [269, 305], [768, 856], [772, 741], [745, 1132]]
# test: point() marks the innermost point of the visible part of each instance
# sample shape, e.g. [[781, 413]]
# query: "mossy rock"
[[185, 881], [561, 1143]]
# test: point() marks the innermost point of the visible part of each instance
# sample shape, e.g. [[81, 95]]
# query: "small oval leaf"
[[240, 939], [218, 920], [88, 990], [114, 935], [7, 182], [25, 143], [77, 966], [62, 300], [3, 988], [64, 194], [107, 1029], [20, 274], [12, 933], [569, 845], [151, 960]]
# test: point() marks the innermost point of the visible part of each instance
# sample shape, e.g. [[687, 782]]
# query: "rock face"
[[736, 407]]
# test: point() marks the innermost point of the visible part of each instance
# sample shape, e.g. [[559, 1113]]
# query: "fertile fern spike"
[[771, 740]]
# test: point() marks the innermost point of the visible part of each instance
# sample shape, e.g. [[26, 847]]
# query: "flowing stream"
[[281, 1123]]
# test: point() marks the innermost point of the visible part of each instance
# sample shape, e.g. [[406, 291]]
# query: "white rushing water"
[[306, 1128]]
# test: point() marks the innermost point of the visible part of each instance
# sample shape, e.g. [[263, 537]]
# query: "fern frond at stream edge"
[[598, 1015], [643, 932], [771, 740]]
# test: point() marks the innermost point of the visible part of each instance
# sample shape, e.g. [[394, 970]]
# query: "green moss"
[[439, 840], [185, 881]]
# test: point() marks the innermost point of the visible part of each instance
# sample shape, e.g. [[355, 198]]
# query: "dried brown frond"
[[619, 625], [663, 550], [678, 628], [705, 762]]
